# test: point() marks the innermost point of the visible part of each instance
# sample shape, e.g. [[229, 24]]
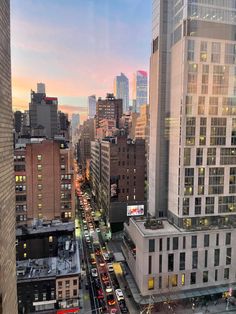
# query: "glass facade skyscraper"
[[121, 90]]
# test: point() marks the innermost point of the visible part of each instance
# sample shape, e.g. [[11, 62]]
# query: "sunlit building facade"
[[140, 87], [192, 153]]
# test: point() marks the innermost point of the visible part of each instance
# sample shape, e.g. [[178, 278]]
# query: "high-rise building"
[[44, 182], [41, 88], [8, 301], [142, 123], [118, 177], [121, 90], [18, 119], [91, 106], [75, 121], [43, 112], [192, 156], [140, 88], [109, 108]]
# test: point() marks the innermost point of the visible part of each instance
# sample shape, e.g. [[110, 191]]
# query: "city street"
[[98, 279]]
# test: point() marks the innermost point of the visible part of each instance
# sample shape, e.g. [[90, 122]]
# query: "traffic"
[[105, 293]]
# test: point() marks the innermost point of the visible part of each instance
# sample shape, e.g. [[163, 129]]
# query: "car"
[[111, 299], [94, 272], [119, 294], [101, 262], [100, 293], [102, 304], [92, 259], [98, 252], [107, 286], [85, 227], [98, 230], [113, 311], [87, 239], [86, 234], [92, 213], [123, 307], [105, 256], [110, 267], [104, 277], [84, 221]]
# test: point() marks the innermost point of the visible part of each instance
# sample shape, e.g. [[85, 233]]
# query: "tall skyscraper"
[[43, 111], [8, 301], [192, 159], [140, 85], [121, 90], [91, 106]]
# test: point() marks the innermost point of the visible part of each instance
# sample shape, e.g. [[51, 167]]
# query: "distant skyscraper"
[[41, 88], [91, 106], [75, 121], [8, 300], [140, 87], [43, 112], [121, 90], [18, 119]]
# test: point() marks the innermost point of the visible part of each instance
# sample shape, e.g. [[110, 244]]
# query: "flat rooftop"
[[66, 263], [164, 229], [43, 227]]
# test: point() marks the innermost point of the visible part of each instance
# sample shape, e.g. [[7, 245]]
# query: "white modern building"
[[121, 90], [192, 154]]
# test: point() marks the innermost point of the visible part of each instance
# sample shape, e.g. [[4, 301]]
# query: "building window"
[[206, 259], [39, 177], [67, 283], [190, 55], [39, 157], [205, 276], [160, 245], [203, 51], [189, 181], [228, 239], [217, 239], [192, 278], [228, 255], [216, 274], [182, 261], [184, 243], [217, 257], [168, 244], [75, 282], [210, 201], [194, 259], [160, 282], [174, 280], [216, 181], [175, 243], [198, 202], [160, 263], [39, 167], [25, 255], [170, 262], [152, 245], [67, 294], [215, 52], [74, 293], [194, 242], [149, 264], [206, 240], [50, 239], [40, 186], [59, 284], [39, 206], [40, 196], [226, 273], [151, 283], [211, 156]]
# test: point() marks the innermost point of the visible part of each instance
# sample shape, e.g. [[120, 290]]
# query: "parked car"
[[119, 294], [94, 272]]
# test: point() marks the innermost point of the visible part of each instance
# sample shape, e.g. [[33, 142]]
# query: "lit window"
[[151, 283], [39, 206], [39, 196], [40, 215], [25, 255], [183, 279], [39, 157], [25, 245], [39, 177], [39, 167], [50, 238], [40, 186]]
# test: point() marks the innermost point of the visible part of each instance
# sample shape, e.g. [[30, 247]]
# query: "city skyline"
[[107, 37]]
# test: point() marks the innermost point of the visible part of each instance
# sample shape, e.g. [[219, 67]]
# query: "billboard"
[[135, 210]]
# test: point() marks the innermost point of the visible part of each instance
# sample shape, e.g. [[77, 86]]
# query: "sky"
[[76, 47]]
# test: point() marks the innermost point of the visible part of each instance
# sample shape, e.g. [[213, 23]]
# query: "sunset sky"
[[76, 47]]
